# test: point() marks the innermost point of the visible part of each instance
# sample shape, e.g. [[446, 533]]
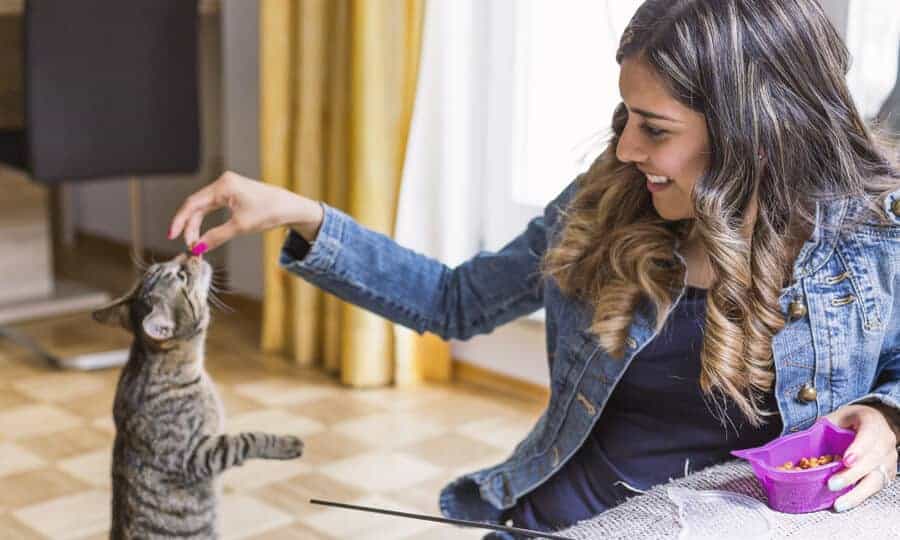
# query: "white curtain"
[[438, 212], [873, 37]]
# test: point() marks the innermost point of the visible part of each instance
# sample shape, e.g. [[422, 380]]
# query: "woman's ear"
[[116, 313]]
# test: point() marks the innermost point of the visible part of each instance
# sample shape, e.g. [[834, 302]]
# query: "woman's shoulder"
[[879, 216], [558, 205]]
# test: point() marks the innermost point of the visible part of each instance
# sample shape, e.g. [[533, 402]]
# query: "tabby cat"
[[169, 445]]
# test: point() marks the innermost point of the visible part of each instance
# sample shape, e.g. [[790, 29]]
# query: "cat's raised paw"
[[289, 447]]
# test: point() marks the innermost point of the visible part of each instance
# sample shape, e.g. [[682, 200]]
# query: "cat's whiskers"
[[138, 262], [217, 302]]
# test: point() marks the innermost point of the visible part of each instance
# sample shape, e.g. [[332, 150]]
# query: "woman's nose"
[[628, 149]]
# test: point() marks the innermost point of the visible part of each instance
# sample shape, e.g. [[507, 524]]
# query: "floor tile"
[[69, 518], [61, 386], [69, 443], [235, 403], [16, 459], [389, 430], [296, 531], [18, 364], [32, 420], [379, 472], [453, 450], [501, 431], [97, 405], [106, 425], [273, 392], [93, 468], [13, 529], [243, 517], [273, 421], [400, 399], [31, 487], [460, 409], [337, 408], [9, 398], [329, 446]]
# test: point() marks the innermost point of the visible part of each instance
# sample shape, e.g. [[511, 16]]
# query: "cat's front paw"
[[288, 447]]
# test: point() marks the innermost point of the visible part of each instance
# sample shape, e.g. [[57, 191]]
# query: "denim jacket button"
[[895, 208], [807, 393], [797, 310]]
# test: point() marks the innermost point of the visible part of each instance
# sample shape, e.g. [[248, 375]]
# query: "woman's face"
[[662, 138]]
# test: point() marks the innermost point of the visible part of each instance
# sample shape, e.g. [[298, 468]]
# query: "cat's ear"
[[116, 313], [159, 325]]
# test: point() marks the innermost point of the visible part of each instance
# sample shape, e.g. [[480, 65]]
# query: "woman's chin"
[[671, 214]]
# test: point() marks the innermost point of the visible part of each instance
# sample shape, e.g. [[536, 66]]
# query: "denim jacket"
[[841, 343]]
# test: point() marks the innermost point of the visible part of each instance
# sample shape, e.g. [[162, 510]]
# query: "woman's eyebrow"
[[650, 114]]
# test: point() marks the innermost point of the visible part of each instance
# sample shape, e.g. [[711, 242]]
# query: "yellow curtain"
[[337, 91]]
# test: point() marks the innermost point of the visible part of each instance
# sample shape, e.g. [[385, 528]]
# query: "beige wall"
[[240, 132]]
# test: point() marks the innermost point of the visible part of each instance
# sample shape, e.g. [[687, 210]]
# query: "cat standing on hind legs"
[[169, 445]]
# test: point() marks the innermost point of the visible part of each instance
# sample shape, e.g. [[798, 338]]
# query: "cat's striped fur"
[[169, 445]]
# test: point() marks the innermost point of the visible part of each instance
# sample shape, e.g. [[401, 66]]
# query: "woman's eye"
[[652, 131]]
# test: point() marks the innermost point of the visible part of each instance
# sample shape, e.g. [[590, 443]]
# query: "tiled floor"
[[389, 448]]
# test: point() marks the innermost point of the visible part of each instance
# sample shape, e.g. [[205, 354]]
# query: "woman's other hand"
[[871, 459], [254, 206]]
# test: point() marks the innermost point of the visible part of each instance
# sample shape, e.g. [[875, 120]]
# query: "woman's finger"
[[863, 455], [215, 237], [202, 201], [192, 229], [871, 484]]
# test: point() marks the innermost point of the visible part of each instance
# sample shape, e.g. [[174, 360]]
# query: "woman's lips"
[[657, 183]]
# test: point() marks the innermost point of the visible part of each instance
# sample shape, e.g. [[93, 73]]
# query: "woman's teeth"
[[657, 179]]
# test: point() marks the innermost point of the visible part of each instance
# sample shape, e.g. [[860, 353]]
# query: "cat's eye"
[[182, 275]]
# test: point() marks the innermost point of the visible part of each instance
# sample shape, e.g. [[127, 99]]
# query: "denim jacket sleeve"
[[370, 270]]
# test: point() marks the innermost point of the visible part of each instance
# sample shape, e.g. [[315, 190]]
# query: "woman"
[[725, 272]]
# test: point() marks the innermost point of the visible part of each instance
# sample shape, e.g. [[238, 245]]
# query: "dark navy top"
[[657, 425]]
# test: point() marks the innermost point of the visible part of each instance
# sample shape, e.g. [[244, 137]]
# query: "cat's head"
[[167, 306]]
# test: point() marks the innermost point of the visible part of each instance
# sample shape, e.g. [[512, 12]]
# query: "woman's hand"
[[254, 206], [870, 459]]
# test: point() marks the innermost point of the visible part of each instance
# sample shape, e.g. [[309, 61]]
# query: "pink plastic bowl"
[[801, 491]]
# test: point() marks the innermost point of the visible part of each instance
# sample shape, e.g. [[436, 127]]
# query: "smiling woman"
[[664, 139]]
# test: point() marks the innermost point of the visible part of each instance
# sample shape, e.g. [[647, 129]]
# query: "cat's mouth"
[[196, 269], [200, 269]]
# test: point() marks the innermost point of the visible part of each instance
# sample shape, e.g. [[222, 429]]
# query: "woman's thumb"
[[214, 238]]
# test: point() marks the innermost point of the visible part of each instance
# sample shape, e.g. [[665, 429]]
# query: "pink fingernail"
[[198, 249], [849, 459]]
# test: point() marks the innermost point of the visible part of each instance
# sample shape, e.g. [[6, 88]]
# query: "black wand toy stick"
[[460, 522]]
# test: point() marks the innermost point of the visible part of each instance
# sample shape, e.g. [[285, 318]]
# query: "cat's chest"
[[192, 403]]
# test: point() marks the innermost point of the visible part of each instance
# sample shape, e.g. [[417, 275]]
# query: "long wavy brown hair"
[[770, 78]]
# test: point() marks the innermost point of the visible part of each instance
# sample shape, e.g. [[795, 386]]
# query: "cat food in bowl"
[[795, 489]]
